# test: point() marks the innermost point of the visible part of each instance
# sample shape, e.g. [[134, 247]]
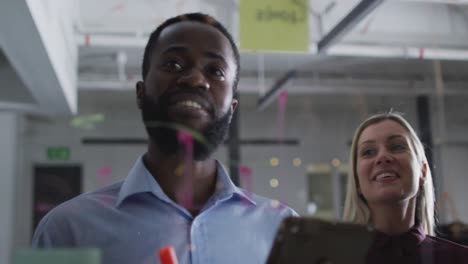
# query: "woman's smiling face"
[[388, 169]]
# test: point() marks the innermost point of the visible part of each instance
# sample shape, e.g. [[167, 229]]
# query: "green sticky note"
[[57, 256], [274, 25]]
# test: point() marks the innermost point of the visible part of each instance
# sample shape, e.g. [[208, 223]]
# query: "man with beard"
[[173, 195]]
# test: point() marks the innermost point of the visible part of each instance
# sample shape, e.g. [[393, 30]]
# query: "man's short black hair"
[[196, 17]]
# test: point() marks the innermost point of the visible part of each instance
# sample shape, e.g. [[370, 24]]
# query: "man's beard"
[[164, 132]]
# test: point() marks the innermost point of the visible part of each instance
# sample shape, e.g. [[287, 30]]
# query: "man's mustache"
[[184, 91]]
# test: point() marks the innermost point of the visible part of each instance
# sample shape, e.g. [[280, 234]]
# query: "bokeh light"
[[274, 162]]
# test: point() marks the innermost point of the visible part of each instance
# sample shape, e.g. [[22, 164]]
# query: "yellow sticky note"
[[274, 25]]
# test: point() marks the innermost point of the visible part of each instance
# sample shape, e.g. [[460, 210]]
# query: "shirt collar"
[[140, 180], [225, 188]]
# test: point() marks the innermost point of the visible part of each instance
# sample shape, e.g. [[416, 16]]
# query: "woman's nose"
[[384, 157]]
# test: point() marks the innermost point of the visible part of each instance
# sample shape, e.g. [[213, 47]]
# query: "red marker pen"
[[167, 255]]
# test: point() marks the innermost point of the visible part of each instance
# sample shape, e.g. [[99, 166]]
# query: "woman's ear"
[[422, 178]]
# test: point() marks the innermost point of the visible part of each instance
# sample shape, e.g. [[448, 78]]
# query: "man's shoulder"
[[64, 223], [88, 202], [271, 206]]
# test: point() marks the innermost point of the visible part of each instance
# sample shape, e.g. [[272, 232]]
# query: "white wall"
[[452, 155]]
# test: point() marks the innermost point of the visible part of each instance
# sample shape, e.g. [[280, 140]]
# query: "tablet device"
[[57, 256], [315, 241]]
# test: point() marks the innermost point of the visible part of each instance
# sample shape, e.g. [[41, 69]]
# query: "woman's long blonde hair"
[[356, 209]]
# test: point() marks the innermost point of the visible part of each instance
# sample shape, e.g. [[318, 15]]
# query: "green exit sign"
[[58, 153]]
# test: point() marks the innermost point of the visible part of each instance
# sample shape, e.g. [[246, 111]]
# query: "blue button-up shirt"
[[132, 219]]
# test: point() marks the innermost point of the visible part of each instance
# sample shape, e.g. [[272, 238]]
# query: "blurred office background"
[[69, 122]]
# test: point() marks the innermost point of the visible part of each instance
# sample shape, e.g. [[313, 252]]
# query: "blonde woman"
[[390, 187]]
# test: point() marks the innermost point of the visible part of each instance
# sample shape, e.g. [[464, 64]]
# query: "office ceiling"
[[381, 47]]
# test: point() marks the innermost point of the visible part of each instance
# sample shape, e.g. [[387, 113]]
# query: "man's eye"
[[172, 66], [216, 73]]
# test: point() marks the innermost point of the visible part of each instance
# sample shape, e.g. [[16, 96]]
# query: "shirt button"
[[192, 247]]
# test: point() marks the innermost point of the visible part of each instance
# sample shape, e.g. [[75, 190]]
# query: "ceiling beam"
[[117, 43], [26, 48], [278, 86], [249, 85], [449, 2], [358, 13]]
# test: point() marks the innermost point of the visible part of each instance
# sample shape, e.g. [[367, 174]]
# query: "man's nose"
[[195, 79]]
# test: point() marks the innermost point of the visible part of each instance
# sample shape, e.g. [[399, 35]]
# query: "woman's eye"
[[367, 152], [397, 147]]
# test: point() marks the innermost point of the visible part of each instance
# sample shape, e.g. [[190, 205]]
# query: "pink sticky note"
[[104, 176], [282, 98], [185, 196], [43, 207], [118, 7], [104, 170], [184, 137], [246, 178]]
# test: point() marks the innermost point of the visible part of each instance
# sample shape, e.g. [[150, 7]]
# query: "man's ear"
[[140, 92], [233, 108]]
